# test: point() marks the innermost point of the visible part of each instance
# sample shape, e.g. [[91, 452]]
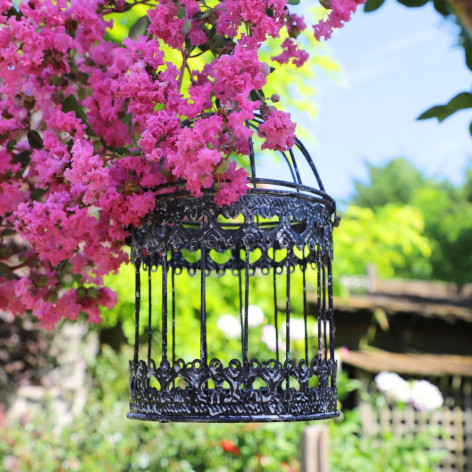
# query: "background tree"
[[443, 208], [394, 182]]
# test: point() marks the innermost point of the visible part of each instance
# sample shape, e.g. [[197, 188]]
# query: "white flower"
[[425, 396], [230, 326], [255, 315], [269, 338], [393, 386], [297, 329]]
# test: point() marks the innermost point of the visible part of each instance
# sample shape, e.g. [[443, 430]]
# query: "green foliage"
[[468, 185], [394, 182], [448, 217], [443, 217], [101, 439], [351, 450], [390, 238], [461, 101]]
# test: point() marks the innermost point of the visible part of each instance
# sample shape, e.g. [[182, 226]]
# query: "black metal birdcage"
[[278, 234]]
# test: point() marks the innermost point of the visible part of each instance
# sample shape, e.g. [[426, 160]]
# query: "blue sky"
[[396, 62]]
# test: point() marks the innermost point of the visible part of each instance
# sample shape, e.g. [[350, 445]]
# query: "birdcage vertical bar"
[[241, 310], [330, 308], [173, 307], [164, 304], [203, 322], [276, 309], [325, 330], [305, 304], [137, 309], [149, 341], [287, 308], [246, 310], [318, 297]]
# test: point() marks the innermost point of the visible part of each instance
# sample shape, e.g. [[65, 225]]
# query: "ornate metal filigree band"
[[190, 224], [287, 395]]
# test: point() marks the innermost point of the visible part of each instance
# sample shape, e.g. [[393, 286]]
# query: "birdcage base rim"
[[233, 419]]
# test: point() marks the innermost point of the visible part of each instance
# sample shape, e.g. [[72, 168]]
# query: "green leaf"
[[470, 128], [139, 28], [217, 42], [256, 95], [372, 5], [441, 112], [413, 3], [187, 27], [461, 101], [442, 6], [8, 232], [11, 144], [181, 12], [468, 54], [35, 140], [128, 121], [37, 193], [4, 269], [71, 104], [223, 167], [23, 158], [293, 2], [122, 150]]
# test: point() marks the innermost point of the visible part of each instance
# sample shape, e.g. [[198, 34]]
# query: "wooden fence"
[[453, 421]]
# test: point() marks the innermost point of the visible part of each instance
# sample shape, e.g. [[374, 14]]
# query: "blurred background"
[[403, 267]]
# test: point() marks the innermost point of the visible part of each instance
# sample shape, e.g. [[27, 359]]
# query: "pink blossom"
[[87, 173], [4, 6], [166, 24], [295, 25], [278, 131], [11, 195], [232, 184], [291, 51], [193, 160], [341, 11], [237, 74], [89, 127]]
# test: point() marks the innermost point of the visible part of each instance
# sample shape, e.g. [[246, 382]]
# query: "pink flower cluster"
[[341, 12], [91, 127]]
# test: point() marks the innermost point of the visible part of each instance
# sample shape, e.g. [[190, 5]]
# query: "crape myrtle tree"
[[89, 127]]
